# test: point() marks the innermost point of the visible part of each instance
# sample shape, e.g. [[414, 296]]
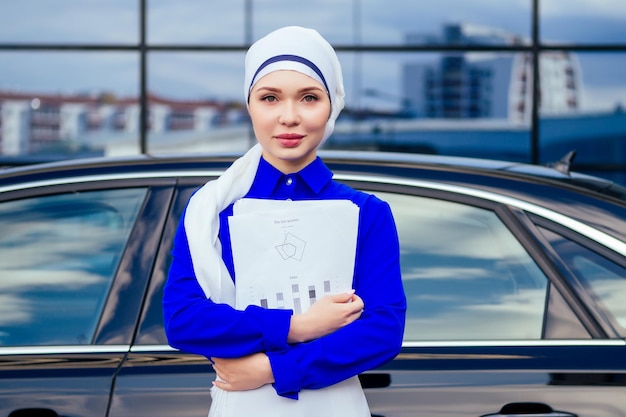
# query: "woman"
[[271, 361]]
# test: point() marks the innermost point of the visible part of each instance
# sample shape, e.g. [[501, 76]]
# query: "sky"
[[193, 22]]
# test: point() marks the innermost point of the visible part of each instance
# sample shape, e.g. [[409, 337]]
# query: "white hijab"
[[289, 48]]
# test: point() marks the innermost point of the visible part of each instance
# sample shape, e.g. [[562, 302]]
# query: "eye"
[[269, 98], [309, 98]]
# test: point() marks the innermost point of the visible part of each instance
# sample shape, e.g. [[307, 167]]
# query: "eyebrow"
[[278, 90]]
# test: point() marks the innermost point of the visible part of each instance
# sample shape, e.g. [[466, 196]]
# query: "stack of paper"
[[288, 254]]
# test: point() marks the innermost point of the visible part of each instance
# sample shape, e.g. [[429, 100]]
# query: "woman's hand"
[[242, 374], [325, 316]]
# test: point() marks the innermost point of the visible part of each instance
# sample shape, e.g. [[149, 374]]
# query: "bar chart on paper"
[[298, 298]]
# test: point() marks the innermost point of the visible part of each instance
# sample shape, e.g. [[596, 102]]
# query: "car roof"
[[369, 157], [542, 185], [336, 158]]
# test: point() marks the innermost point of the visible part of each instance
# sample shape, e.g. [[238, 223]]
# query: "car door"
[[493, 326], [155, 379], [74, 261]]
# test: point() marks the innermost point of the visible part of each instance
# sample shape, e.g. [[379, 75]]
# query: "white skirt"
[[345, 399]]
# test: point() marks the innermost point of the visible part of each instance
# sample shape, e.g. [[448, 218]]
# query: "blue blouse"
[[197, 325]]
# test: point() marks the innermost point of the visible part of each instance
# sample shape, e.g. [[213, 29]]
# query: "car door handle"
[[34, 412], [375, 380], [529, 409]]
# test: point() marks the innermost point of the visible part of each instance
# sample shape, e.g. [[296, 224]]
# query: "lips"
[[289, 140], [289, 136]]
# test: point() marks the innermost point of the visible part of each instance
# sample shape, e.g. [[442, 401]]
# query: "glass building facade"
[[524, 80]]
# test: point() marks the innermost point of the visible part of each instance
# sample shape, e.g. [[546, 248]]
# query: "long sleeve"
[[196, 324], [376, 336]]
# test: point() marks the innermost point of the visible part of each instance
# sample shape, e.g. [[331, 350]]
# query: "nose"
[[289, 115]]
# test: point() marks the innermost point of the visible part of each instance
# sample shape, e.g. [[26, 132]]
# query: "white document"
[[288, 254]]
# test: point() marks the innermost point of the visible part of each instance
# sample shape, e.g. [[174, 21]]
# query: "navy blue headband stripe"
[[294, 58]]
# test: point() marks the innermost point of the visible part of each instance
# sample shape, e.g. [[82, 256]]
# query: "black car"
[[515, 277]]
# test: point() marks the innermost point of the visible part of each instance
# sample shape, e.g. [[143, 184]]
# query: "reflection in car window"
[[466, 276], [58, 256], [602, 278]]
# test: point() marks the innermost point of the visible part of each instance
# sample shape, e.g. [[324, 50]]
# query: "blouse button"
[[289, 181]]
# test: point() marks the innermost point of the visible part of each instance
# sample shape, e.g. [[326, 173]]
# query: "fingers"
[[223, 385], [325, 316], [221, 368], [243, 373], [220, 381], [351, 303], [358, 302], [344, 297]]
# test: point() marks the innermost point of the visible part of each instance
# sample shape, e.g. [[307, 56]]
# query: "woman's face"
[[289, 111]]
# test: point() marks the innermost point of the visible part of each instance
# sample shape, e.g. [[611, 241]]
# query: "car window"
[[58, 257], [602, 278], [465, 275]]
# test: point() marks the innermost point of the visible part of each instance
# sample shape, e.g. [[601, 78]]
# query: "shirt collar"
[[316, 175]]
